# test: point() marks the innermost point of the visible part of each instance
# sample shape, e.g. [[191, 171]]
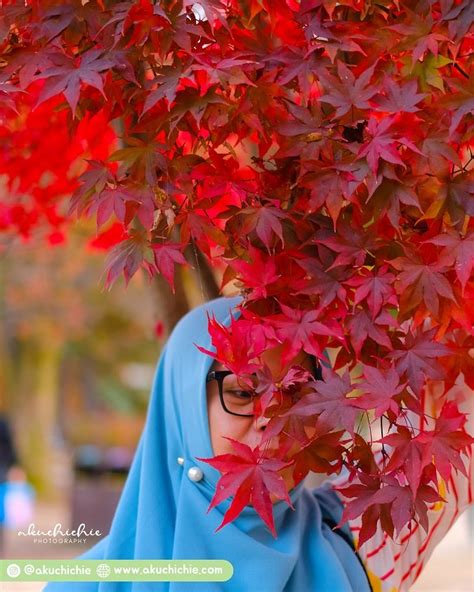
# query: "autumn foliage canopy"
[[320, 154]]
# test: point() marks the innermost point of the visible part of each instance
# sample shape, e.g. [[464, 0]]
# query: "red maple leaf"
[[350, 244], [235, 346], [125, 203], [364, 504], [380, 390], [362, 326], [402, 501], [418, 34], [383, 498], [166, 256], [330, 186], [284, 384], [203, 230], [329, 401], [420, 281], [288, 427], [293, 426], [321, 455], [390, 196], [410, 453], [327, 284], [458, 251], [399, 98], [447, 440], [348, 91], [267, 222], [299, 329], [461, 361], [418, 358], [167, 82], [66, 76], [258, 275], [296, 64], [127, 257], [250, 478], [376, 288], [382, 144]]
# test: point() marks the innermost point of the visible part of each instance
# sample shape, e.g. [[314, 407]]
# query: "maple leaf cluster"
[[40, 162], [321, 152]]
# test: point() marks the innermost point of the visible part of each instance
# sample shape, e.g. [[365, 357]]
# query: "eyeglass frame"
[[219, 375]]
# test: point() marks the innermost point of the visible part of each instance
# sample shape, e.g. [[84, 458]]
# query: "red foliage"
[[41, 158]]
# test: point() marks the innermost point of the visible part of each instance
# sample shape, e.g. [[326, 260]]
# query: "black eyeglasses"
[[236, 397]]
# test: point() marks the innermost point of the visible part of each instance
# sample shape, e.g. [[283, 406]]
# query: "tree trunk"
[[5, 354], [36, 411], [170, 307], [204, 276]]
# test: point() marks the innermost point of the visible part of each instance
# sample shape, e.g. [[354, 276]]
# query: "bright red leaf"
[[249, 478]]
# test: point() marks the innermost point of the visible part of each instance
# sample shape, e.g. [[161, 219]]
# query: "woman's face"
[[247, 430]]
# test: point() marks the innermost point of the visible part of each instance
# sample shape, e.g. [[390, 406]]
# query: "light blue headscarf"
[[162, 514]]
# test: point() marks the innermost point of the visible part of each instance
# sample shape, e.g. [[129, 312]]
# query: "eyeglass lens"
[[238, 397]]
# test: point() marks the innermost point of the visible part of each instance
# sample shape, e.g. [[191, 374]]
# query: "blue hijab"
[[162, 513]]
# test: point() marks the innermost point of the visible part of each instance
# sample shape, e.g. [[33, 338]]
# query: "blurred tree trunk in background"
[[205, 279], [170, 307], [5, 357], [202, 287], [35, 408]]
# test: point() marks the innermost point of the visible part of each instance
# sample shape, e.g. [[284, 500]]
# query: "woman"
[[162, 512]]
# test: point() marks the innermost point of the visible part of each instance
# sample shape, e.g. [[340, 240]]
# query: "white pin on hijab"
[[195, 474]]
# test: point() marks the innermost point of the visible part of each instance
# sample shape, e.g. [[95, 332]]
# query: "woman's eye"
[[243, 395]]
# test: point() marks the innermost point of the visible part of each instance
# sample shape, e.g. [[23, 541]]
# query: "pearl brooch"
[[195, 474]]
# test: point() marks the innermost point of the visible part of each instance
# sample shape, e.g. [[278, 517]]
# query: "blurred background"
[[76, 367]]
